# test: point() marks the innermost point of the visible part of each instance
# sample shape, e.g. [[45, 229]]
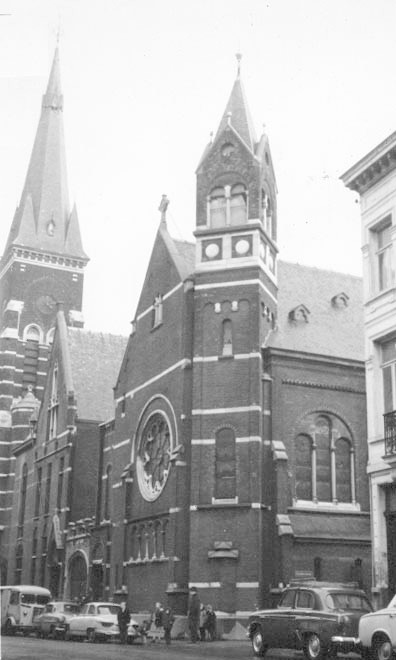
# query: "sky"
[[144, 84]]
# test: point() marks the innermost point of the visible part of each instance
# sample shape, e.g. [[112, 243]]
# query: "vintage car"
[[319, 618], [377, 633], [53, 621], [97, 622]]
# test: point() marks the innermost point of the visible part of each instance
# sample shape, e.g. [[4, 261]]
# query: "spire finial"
[[239, 57], [163, 207]]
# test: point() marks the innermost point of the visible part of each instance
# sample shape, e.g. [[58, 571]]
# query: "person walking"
[[167, 622], [211, 622], [155, 632], [202, 622], [194, 608], [123, 617]]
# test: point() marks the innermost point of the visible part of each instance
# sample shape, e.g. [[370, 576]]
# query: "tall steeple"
[[43, 220], [237, 113]]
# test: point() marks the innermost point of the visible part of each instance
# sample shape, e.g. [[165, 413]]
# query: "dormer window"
[[299, 314], [228, 206], [340, 301]]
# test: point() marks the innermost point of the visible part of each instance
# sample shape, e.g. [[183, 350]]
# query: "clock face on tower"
[[153, 462], [45, 304]]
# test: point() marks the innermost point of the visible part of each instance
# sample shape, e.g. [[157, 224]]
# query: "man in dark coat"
[[123, 617], [167, 622], [194, 607]]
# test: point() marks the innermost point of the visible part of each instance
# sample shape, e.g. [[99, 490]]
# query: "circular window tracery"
[[153, 460]]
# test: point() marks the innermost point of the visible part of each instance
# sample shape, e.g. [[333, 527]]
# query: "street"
[[31, 648]]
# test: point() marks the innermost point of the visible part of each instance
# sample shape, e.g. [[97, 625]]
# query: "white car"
[[98, 622], [377, 633]]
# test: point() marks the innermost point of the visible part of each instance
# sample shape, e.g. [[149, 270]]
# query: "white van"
[[20, 604]]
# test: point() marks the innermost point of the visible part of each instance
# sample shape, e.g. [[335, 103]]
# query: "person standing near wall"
[[193, 612], [123, 617]]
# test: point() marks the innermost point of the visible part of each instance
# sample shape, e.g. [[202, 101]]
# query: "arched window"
[[238, 205], [32, 333], [22, 503], [225, 464], [266, 213], [50, 336], [227, 337], [107, 489], [343, 470], [218, 208], [324, 461], [303, 461]]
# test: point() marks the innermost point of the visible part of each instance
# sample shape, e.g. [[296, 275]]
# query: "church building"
[[236, 459], [231, 455], [56, 378]]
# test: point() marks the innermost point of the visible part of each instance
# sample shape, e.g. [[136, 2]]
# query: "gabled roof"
[[43, 220], [330, 330], [95, 360]]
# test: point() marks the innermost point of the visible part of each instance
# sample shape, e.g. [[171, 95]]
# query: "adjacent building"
[[56, 379], [374, 178]]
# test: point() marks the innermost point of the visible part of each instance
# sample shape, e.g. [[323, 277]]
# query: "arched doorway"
[[78, 576]]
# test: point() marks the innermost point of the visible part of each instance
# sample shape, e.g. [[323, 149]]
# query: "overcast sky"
[[146, 81]]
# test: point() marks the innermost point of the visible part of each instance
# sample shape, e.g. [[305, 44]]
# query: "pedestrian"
[[155, 633], [167, 622], [202, 622], [211, 622], [194, 607], [123, 617]]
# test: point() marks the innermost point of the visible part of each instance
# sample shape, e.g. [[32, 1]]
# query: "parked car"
[[319, 618], [55, 618], [97, 621], [377, 633]]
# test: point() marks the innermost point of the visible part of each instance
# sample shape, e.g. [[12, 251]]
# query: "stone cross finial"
[[163, 207], [239, 57]]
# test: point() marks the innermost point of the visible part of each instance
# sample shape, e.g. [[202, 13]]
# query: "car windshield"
[[347, 601], [108, 609], [28, 598]]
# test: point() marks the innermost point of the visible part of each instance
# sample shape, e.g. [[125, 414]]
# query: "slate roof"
[[330, 330], [95, 362]]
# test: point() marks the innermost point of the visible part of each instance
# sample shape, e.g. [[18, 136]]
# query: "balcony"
[[390, 435]]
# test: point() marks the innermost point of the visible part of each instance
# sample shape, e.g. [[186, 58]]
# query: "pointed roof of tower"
[[43, 220], [237, 113]]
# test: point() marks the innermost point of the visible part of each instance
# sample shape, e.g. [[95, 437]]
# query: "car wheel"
[[91, 635], [9, 628], [259, 647], [382, 649], [313, 648]]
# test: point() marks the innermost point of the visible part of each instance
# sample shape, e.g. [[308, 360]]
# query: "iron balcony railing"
[[390, 433]]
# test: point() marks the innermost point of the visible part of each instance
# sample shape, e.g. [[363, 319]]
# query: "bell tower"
[[235, 311], [43, 263]]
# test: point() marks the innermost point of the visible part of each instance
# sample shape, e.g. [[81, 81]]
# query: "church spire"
[[237, 112], [43, 220]]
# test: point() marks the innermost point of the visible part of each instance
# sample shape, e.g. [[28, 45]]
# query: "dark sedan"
[[319, 618]]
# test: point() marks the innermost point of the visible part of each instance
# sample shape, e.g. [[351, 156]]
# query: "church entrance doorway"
[[78, 576]]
